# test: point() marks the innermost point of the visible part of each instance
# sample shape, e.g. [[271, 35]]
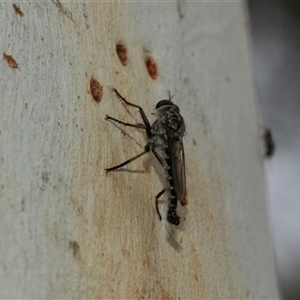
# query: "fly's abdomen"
[[173, 197]]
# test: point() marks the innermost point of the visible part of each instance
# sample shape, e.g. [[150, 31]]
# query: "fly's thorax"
[[168, 122], [159, 142], [176, 124], [158, 127]]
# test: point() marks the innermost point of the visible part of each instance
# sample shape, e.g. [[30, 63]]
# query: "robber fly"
[[164, 135]]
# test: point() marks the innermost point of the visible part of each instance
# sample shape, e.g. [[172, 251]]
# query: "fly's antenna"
[[170, 97]]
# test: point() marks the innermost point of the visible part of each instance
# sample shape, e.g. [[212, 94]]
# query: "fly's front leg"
[[125, 124], [143, 115]]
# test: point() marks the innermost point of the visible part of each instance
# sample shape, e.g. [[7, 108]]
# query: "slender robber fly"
[[165, 142]]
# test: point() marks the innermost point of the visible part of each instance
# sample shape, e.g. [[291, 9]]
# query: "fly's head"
[[166, 106], [168, 113], [171, 113]]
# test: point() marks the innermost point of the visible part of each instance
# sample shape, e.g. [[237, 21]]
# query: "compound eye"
[[164, 103]]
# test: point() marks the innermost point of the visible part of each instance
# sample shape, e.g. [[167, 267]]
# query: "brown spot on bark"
[[96, 89], [122, 54], [10, 60], [63, 10], [151, 67], [194, 143], [18, 10]]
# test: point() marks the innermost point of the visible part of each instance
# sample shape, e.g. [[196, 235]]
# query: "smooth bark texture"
[[68, 229]]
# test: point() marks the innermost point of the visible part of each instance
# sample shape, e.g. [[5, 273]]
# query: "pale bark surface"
[[68, 229]]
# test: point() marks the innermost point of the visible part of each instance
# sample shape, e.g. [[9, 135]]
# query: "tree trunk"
[[68, 229]]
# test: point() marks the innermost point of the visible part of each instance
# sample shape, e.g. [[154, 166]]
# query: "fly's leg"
[[171, 215], [146, 126], [143, 115], [156, 201], [125, 124], [163, 163], [147, 149]]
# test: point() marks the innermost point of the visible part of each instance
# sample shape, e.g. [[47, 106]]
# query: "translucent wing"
[[178, 168]]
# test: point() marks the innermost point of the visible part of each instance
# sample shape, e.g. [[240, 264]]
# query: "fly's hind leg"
[[156, 201], [163, 163]]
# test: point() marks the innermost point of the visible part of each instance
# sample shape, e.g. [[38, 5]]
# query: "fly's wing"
[[178, 168]]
